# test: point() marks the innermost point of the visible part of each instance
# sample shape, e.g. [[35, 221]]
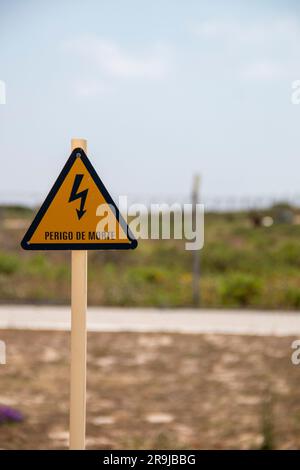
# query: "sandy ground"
[[154, 391]]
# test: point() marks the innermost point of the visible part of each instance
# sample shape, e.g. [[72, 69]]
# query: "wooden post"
[[196, 254], [78, 340]]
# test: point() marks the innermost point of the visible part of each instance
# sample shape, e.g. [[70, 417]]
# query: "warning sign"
[[78, 213]]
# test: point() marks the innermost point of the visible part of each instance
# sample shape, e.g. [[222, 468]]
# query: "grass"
[[241, 266]]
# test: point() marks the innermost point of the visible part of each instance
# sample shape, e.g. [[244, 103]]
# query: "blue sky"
[[160, 89]]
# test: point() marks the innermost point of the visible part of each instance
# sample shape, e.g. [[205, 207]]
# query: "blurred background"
[[163, 92]]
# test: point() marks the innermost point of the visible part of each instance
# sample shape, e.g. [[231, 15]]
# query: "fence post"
[[196, 253]]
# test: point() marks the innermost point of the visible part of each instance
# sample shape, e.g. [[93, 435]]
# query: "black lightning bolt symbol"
[[81, 195]]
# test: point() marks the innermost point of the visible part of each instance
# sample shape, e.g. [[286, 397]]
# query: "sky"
[[161, 89]]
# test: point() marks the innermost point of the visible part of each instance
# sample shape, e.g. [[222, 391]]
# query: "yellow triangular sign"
[[78, 213]]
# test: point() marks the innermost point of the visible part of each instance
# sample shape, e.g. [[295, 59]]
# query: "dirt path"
[[154, 391], [154, 320]]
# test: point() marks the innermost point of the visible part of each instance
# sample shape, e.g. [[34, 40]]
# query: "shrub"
[[146, 274], [8, 263], [218, 258], [289, 254], [240, 290], [38, 265], [292, 297]]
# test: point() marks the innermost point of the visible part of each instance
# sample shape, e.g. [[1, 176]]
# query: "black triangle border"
[[77, 246]]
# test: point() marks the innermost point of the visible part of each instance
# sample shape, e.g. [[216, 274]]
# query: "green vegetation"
[[242, 265], [9, 264], [240, 289]]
